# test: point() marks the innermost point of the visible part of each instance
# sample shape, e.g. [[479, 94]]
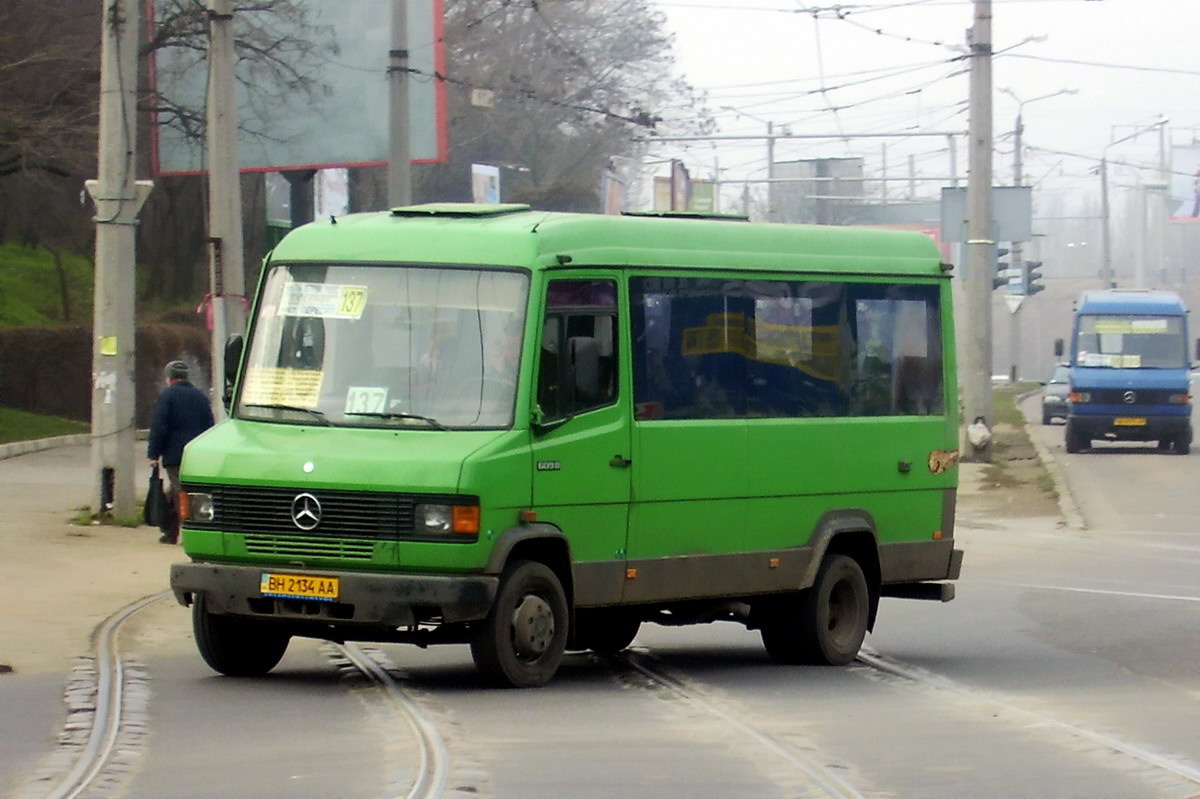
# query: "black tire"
[[1183, 443], [604, 631], [521, 642], [1076, 442], [1046, 417], [825, 624], [236, 647]]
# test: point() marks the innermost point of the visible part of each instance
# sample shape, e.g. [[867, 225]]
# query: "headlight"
[[1080, 396], [442, 519], [1179, 399], [196, 507]]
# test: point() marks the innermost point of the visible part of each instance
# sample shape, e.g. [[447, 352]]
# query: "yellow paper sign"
[[279, 386]]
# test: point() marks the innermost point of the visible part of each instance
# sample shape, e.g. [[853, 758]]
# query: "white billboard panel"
[[345, 126], [1184, 202]]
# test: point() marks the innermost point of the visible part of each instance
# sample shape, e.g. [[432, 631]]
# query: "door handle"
[[620, 462]]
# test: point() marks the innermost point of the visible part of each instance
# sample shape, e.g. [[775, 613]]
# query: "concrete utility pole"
[[1107, 279], [399, 181], [1017, 257], [118, 198], [226, 273], [977, 354]]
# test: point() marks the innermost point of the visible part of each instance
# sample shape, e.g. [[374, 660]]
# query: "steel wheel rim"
[[532, 627]]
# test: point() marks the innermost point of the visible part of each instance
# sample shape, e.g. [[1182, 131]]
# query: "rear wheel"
[[521, 642], [825, 624], [604, 631], [235, 646]]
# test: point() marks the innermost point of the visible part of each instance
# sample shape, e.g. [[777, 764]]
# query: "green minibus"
[[532, 432]]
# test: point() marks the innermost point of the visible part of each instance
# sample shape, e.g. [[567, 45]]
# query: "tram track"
[[1179, 775], [108, 709], [99, 720], [816, 775], [1150, 762], [433, 758], [86, 764]]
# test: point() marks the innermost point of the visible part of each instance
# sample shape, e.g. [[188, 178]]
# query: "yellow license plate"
[[1130, 421], [299, 586]]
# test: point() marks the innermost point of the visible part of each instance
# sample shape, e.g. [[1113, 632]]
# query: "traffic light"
[[999, 268], [1030, 275]]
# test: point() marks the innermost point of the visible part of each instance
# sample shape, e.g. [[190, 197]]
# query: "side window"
[[715, 349], [578, 362]]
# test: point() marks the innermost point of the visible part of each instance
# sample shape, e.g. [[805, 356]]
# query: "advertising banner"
[[1184, 203]]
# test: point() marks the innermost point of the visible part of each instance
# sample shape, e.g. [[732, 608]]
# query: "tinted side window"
[[578, 366], [707, 349]]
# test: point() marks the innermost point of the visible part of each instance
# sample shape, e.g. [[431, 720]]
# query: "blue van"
[[1130, 370]]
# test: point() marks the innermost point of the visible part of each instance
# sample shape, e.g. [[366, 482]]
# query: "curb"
[[1066, 503], [16, 448]]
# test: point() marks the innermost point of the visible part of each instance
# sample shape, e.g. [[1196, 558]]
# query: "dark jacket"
[[181, 413]]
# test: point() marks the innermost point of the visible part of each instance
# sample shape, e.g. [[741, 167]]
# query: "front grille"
[[309, 547], [373, 515], [1116, 396]]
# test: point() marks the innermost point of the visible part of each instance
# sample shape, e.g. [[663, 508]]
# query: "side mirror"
[[233, 357], [1058, 347]]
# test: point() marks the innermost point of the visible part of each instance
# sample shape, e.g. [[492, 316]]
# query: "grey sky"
[[888, 65]]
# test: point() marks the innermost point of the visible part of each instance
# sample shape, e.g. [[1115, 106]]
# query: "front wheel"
[[521, 642], [1183, 443], [1076, 442], [236, 647], [824, 624]]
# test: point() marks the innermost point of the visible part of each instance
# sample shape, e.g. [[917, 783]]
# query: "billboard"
[[1184, 202], [344, 123]]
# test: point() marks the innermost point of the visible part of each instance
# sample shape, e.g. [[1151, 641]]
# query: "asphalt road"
[[1064, 668]]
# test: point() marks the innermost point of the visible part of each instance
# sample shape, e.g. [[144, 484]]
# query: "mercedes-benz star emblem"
[[1129, 398], [306, 511]]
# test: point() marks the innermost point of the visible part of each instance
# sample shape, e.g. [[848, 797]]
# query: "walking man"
[[181, 413]]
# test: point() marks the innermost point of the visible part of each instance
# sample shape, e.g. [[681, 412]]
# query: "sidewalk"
[[61, 580]]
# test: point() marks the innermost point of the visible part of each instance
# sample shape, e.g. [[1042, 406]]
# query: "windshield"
[[1062, 374], [1131, 342], [370, 346]]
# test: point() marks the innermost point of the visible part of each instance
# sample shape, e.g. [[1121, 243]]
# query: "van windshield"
[[1131, 342], [385, 346]]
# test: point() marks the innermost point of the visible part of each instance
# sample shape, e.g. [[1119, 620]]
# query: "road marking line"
[[1102, 591]]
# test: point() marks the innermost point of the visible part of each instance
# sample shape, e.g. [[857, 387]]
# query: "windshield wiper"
[[434, 423], [314, 413]]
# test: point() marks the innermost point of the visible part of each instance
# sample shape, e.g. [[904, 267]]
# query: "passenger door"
[[581, 441]]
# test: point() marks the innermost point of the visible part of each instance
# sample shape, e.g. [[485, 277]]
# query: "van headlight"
[[196, 507], [436, 519]]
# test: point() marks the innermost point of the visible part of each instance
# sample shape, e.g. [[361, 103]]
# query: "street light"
[[770, 155], [1106, 276], [1020, 125], [1017, 260]]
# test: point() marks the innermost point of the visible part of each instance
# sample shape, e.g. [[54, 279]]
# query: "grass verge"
[[24, 426]]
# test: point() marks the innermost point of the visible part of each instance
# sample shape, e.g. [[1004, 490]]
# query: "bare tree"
[[568, 86], [49, 53]]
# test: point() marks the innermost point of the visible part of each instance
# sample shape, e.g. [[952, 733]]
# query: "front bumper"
[[1105, 426], [379, 600]]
